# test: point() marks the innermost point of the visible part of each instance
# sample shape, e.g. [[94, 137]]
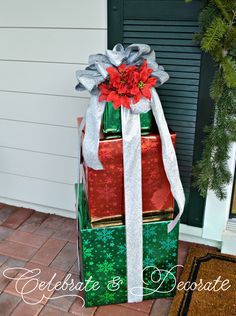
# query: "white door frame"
[[217, 228], [216, 214]]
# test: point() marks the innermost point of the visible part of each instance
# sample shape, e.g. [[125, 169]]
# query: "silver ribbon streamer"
[[79, 180], [89, 79], [169, 157], [91, 139], [131, 137]]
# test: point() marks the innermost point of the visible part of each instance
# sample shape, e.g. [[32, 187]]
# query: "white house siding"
[[43, 43]]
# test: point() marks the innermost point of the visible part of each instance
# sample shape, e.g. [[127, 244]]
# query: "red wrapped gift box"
[[105, 188]]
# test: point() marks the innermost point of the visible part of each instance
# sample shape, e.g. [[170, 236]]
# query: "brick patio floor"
[[48, 242]]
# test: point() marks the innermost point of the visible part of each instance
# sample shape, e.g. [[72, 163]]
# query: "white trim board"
[[216, 211], [194, 234], [229, 242], [229, 238]]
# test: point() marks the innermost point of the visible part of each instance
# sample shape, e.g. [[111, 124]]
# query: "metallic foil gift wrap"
[[102, 254], [112, 121], [105, 188]]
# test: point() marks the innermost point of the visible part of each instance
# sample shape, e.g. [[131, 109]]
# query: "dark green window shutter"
[[168, 26]]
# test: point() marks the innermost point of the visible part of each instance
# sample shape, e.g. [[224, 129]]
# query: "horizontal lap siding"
[[43, 43], [50, 45]]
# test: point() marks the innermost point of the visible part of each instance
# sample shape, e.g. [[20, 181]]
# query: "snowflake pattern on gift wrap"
[[88, 252], [150, 251], [149, 232], [169, 265], [168, 244], [168, 276], [107, 297], [108, 255], [87, 275], [86, 242], [104, 235], [93, 294], [106, 266], [149, 262], [122, 249]]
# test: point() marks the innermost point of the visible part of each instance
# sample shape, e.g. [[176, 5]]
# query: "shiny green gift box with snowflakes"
[[103, 259]]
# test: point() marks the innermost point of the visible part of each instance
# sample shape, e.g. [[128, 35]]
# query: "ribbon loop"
[[136, 52], [143, 106]]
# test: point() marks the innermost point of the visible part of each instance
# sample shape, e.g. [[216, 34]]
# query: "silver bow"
[[96, 73], [89, 79]]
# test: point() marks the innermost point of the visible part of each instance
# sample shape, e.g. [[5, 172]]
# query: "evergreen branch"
[[212, 172], [213, 35], [230, 39], [221, 5], [207, 15], [216, 88], [218, 37], [229, 70]]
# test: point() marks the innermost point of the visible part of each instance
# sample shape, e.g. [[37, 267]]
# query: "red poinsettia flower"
[[144, 83], [126, 83], [105, 90], [118, 100]]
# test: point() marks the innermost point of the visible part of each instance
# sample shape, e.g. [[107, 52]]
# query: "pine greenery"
[[218, 38]]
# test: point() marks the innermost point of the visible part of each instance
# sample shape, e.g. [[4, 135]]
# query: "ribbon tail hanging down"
[[77, 210], [90, 145], [169, 157], [131, 134], [81, 127]]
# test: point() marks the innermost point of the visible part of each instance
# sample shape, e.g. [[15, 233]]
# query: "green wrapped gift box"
[[103, 259], [112, 121]]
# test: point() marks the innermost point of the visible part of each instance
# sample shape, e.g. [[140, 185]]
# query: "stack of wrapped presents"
[[102, 196]]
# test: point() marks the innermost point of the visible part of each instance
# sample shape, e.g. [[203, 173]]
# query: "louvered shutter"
[[168, 26]]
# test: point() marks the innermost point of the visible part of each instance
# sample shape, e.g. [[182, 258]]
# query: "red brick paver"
[[24, 309], [7, 271], [5, 232], [64, 298], [33, 222], [3, 259], [77, 309], [161, 307], [13, 249], [26, 238], [31, 290], [75, 268], [8, 303], [48, 251], [5, 212], [144, 306], [118, 310], [46, 273], [66, 232], [49, 311], [48, 227], [17, 218], [66, 258]]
